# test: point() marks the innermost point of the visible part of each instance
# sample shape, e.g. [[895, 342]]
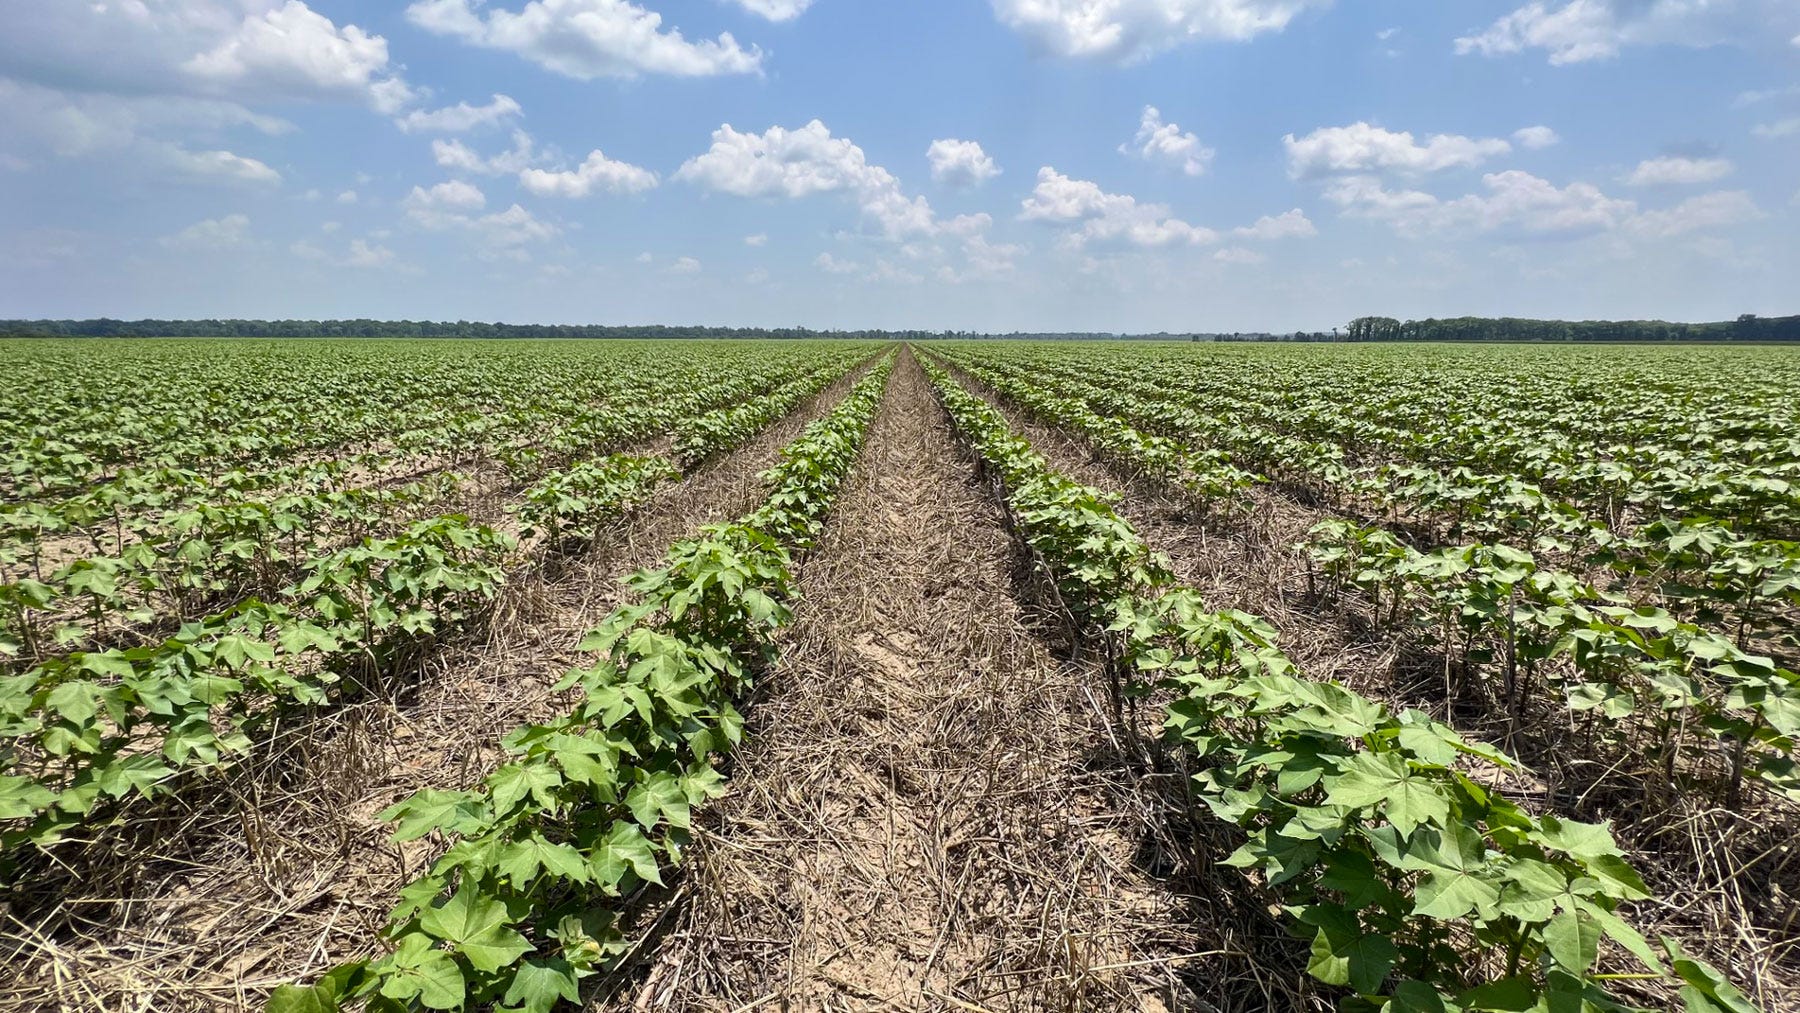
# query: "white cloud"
[[832, 265], [1780, 128], [293, 50], [455, 155], [460, 117], [450, 206], [1515, 202], [361, 254], [1131, 30], [225, 233], [214, 164], [1102, 216], [1157, 141], [596, 173], [1697, 214], [586, 39], [1287, 225], [347, 197], [1750, 98], [1536, 138], [1675, 169], [960, 163], [1238, 255], [1522, 204], [685, 265], [1581, 30], [450, 196], [759, 239], [775, 10], [1363, 147], [645, 257], [799, 163]]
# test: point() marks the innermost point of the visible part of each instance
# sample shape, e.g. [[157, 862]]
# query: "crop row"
[[597, 802], [198, 560], [1416, 883], [1699, 568], [81, 730]]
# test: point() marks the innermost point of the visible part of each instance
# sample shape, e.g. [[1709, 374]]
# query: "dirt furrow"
[[925, 816], [285, 870]]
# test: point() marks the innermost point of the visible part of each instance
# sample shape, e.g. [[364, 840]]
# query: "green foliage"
[[597, 802]]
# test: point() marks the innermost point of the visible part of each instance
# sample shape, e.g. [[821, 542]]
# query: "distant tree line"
[[107, 328], [1748, 327]]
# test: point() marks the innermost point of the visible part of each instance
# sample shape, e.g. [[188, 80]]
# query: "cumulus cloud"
[[212, 164], [1518, 203], [960, 163], [447, 197], [596, 173], [1238, 255], [451, 207], [361, 254], [1780, 128], [1676, 169], [685, 265], [1515, 202], [229, 232], [775, 10], [1536, 138], [461, 117], [456, 156], [800, 163], [586, 39], [1126, 31], [1166, 144], [140, 80], [1287, 225], [1362, 147], [759, 239], [1697, 214], [1577, 31], [294, 49], [1095, 215], [833, 265]]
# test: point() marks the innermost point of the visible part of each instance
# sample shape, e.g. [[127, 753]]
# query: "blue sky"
[[1124, 165]]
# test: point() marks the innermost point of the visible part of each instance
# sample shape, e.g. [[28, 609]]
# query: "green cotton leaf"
[[511, 783], [1623, 934], [521, 861], [1359, 960], [133, 773], [1413, 996], [323, 996], [1384, 782], [1533, 891], [1573, 941], [476, 926], [431, 809], [21, 797], [659, 798], [1455, 882], [624, 849], [536, 986], [1352, 874], [1617, 877], [1704, 989], [74, 700], [1507, 995], [1580, 840], [428, 975]]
